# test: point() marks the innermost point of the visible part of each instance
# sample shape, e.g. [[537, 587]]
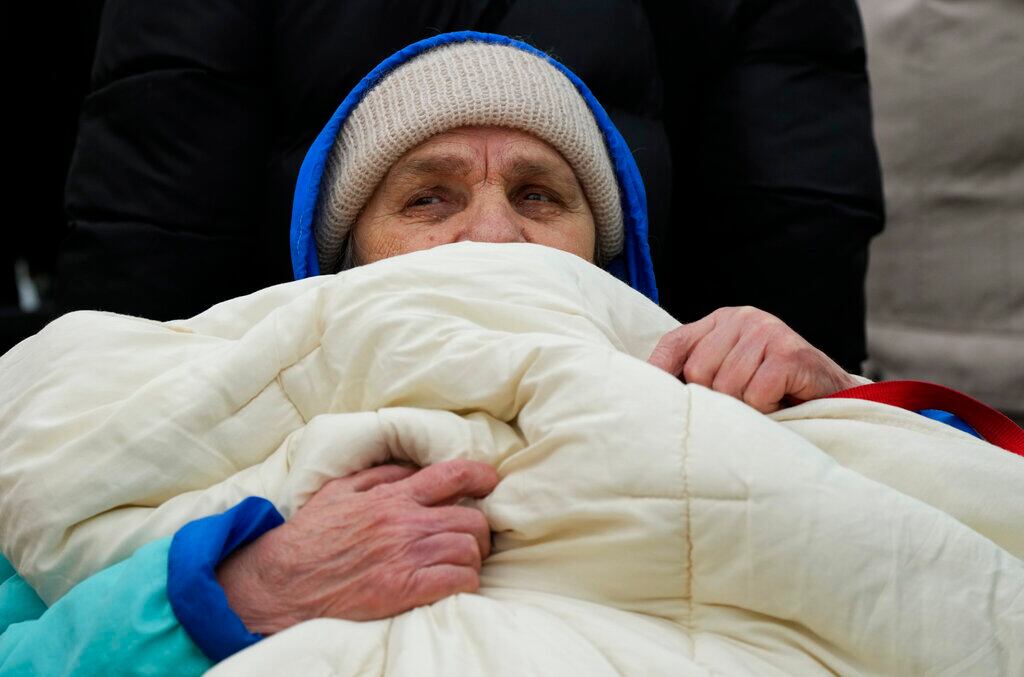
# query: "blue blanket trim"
[[633, 266], [196, 597], [950, 419]]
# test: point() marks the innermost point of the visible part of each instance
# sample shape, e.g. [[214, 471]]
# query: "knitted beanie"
[[455, 85]]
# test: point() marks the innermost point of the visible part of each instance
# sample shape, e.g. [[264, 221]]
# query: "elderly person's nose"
[[491, 219]]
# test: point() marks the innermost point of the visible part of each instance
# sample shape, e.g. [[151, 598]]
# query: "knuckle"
[[469, 542], [755, 312], [696, 373], [727, 384], [775, 367], [384, 508], [381, 491], [469, 550], [412, 590], [799, 355], [770, 332], [758, 399], [415, 553], [478, 520], [455, 472], [805, 352], [762, 407], [461, 579], [674, 339]]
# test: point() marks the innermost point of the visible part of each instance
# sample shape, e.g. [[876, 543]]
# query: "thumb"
[[813, 383]]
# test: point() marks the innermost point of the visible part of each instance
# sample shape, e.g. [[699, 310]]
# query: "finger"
[[818, 376], [740, 365], [707, 356], [767, 387], [365, 480], [430, 584], [461, 520], [674, 347], [456, 548], [450, 480]]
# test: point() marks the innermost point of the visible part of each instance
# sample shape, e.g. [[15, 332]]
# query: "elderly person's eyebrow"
[[415, 169], [563, 180]]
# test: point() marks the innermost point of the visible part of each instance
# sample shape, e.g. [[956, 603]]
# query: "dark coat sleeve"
[[164, 193], [777, 181]]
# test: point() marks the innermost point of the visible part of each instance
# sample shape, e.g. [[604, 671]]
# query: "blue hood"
[[633, 266]]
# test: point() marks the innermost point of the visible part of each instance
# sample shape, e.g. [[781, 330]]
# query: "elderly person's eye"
[[424, 201], [538, 196]]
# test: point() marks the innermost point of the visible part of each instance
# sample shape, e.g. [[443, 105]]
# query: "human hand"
[[751, 355], [367, 546]]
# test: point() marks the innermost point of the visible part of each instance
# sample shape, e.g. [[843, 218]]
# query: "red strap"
[[990, 424]]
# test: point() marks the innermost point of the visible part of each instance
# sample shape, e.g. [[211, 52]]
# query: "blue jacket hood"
[[633, 266]]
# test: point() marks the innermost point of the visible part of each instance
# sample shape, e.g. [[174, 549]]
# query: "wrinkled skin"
[[479, 184], [367, 546], [751, 355]]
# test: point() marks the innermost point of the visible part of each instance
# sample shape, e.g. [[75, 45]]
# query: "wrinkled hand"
[[751, 355], [367, 546]]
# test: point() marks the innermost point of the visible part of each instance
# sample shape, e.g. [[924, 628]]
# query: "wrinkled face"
[[485, 184]]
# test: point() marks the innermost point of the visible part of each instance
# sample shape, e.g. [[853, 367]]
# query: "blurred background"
[[946, 281], [155, 146]]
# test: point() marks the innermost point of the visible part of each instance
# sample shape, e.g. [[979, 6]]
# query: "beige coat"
[[946, 279]]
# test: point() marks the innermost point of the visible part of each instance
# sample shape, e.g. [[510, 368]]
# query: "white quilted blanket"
[[643, 526]]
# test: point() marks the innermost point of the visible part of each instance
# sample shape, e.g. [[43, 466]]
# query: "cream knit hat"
[[456, 85]]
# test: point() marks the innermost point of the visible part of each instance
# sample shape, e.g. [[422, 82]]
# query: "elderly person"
[[472, 137], [463, 136]]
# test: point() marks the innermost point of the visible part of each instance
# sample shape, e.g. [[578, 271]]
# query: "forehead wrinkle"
[[528, 157], [417, 168], [517, 161], [524, 168]]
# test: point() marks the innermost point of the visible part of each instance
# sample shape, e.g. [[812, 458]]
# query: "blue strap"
[[195, 595], [950, 419]]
